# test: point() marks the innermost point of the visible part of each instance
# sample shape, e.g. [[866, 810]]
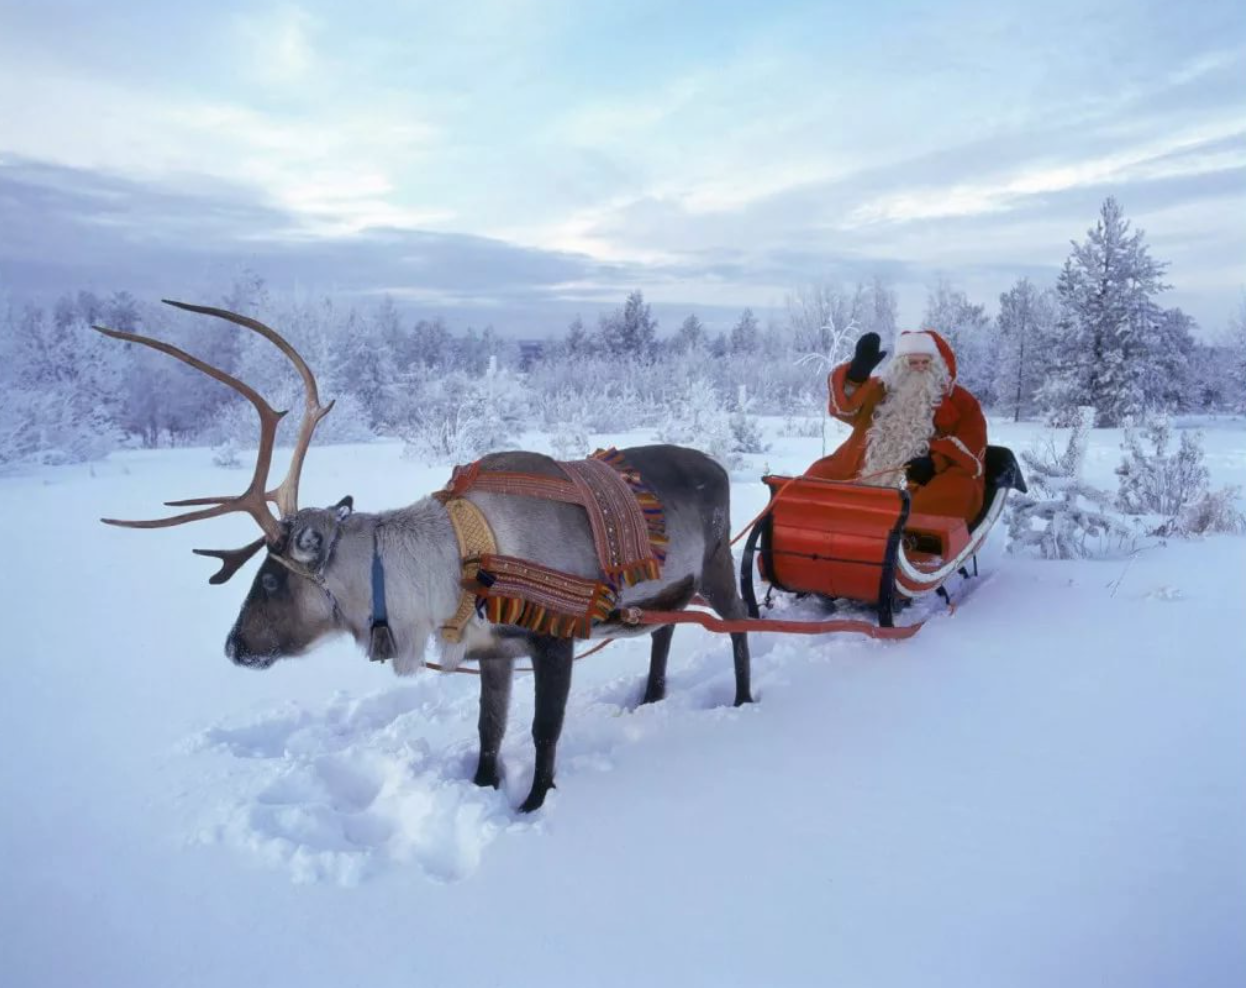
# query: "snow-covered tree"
[[367, 367], [745, 336], [826, 320], [876, 307], [691, 336], [1063, 516], [697, 417], [968, 331], [629, 332], [1173, 486], [1111, 340], [1024, 327], [1235, 344], [1154, 479], [431, 343], [62, 388], [576, 342], [746, 436]]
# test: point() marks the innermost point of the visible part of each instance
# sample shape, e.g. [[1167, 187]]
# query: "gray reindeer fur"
[[286, 612]]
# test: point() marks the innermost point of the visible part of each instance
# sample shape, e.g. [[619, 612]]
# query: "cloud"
[[276, 46], [540, 152]]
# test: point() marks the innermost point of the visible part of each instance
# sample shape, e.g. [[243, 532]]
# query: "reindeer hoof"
[[742, 699], [488, 777], [536, 798], [654, 695]]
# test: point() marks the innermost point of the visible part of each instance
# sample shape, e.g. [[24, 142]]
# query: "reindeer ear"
[[344, 507]]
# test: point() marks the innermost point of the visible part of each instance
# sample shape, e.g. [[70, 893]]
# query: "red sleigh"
[[863, 544]]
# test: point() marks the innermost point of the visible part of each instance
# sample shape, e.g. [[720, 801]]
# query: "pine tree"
[[1154, 480], [363, 360], [1109, 329], [968, 331], [1024, 327], [575, 344], [691, 337], [630, 332], [745, 338], [1236, 346]]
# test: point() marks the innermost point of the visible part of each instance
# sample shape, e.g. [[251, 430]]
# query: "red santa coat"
[[958, 446]]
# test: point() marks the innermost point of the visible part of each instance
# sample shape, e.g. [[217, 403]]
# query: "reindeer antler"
[[254, 500]]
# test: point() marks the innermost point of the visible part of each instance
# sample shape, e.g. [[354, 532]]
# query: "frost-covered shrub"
[[1063, 516], [455, 433], [560, 407], [347, 423], [227, 455], [1213, 512], [746, 434], [801, 427], [696, 418], [570, 440], [460, 418], [617, 408], [44, 428], [1154, 480], [237, 421]]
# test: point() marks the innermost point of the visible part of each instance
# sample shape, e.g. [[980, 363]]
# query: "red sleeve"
[[965, 445], [844, 405]]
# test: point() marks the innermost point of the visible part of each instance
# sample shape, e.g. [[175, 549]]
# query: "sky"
[[520, 162]]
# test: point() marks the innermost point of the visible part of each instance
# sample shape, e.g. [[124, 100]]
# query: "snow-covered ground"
[[1044, 788]]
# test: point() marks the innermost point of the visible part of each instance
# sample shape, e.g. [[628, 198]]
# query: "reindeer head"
[[296, 599], [291, 604]]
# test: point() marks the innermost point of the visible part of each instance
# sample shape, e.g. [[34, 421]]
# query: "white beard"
[[903, 422]]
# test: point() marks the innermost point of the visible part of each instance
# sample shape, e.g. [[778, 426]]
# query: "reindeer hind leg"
[[495, 694], [551, 666]]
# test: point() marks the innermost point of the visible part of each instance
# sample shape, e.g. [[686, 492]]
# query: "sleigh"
[[846, 541]]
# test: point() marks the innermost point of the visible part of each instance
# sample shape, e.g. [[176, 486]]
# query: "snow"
[[1043, 788]]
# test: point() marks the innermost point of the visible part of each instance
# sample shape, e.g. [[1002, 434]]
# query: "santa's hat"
[[927, 343]]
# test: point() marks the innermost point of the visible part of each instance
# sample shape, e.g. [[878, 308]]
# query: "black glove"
[[866, 358], [921, 470]]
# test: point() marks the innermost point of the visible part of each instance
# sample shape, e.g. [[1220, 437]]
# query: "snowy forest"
[[1099, 336]]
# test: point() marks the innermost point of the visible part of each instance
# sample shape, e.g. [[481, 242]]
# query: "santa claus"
[[912, 427]]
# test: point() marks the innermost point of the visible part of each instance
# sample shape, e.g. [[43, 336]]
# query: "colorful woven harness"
[[629, 533]]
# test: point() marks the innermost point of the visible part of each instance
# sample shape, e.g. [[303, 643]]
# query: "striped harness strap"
[[629, 533]]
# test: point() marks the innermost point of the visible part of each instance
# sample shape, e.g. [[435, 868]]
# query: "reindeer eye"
[[270, 583]]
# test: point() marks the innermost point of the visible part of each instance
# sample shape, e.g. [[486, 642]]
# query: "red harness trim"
[[712, 622]]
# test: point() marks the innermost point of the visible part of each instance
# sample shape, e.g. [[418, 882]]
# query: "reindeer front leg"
[[551, 664], [655, 688], [495, 695]]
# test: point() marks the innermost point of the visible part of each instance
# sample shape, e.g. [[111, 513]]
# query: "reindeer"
[[324, 566]]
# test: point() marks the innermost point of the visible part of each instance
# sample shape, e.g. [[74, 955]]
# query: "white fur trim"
[[916, 344], [977, 462]]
